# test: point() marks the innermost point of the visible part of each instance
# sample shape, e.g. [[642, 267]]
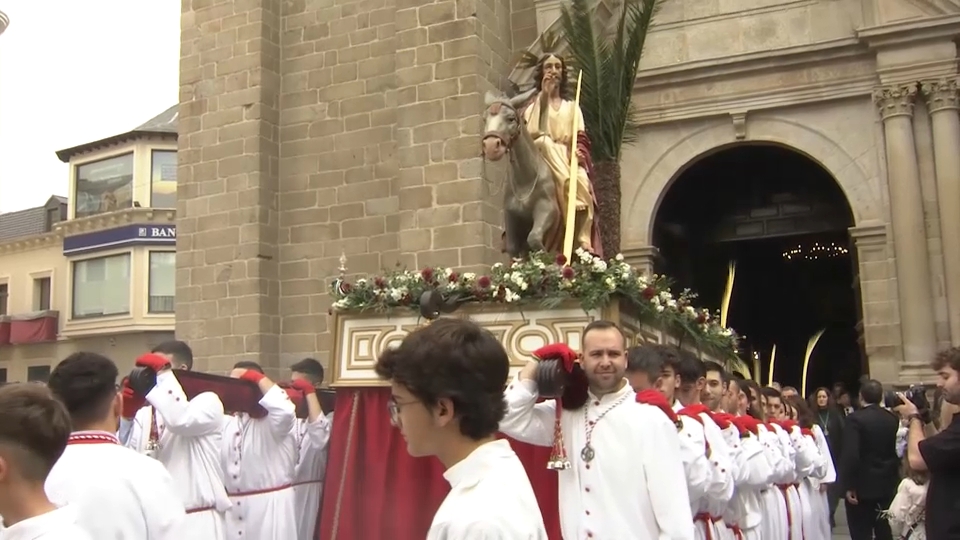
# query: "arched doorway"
[[784, 221]]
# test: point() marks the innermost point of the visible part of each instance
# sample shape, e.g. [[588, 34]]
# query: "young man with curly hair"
[[34, 428], [447, 382]]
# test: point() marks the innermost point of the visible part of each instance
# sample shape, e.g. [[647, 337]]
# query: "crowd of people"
[[648, 442], [85, 457]]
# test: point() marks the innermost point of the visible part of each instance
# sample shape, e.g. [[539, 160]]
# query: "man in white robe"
[[119, 494], [259, 456], [184, 435], [34, 430], [692, 373], [746, 510], [652, 367], [446, 384], [313, 436], [625, 479]]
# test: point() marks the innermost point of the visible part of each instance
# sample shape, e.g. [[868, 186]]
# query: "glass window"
[[162, 288], [104, 186], [101, 286], [41, 294], [4, 294], [38, 373], [163, 179], [3, 375]]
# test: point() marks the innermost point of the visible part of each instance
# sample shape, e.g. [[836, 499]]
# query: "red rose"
[[567, 272], [454, 277], [484, 282], [561, 259], [649, 293], [427, 274]]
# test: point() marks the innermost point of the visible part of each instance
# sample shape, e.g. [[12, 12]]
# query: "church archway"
[[784, 220]]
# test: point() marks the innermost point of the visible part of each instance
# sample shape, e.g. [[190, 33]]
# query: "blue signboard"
[[128, 235]]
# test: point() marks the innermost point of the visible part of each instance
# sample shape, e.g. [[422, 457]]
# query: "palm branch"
[[609, 64]]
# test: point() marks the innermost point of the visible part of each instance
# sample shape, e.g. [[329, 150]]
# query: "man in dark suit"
[[869, 466]]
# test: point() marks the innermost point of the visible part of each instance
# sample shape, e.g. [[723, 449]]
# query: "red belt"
[[306, 483], [736, 531], [708, 522], [786, 502], [200, 509], [259, 491]]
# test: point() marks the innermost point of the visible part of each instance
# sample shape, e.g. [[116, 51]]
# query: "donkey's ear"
[[521, 99], [490, 98]]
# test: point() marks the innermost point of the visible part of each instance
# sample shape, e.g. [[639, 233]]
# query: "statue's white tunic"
[[633, 489]]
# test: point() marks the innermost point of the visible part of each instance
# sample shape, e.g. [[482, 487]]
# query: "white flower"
[[496, 266], [341, 304], [397, 293], [660, 308], [726, 332], [619, 257], [642, 282], [469, 276], [446, 273], [690, 311], [361, 282], [610, 283], [671, 303], [599, 266], [510, 296]]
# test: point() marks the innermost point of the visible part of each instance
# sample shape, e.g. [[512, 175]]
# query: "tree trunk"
[[606, 186]]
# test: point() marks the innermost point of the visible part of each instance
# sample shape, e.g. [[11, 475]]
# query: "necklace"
[[588, 453], [156, 434], [825, 423]]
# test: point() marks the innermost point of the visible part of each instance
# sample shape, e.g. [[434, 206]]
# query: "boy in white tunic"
[[625, 478], [119, 494], [313, 435], [34, 429], [259, 453], [446, 384], [184, 435]]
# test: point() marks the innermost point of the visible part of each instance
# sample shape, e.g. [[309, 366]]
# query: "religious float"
[[373, 488]]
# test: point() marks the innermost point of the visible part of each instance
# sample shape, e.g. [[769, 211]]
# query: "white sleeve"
[[722, 487], [526, 420], [163, 511], [829, 472], [281, 412], [662, 466], [693, 454], [756, 467], [196, 417]]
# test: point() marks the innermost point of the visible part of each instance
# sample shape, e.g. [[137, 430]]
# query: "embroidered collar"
[[92, 437]]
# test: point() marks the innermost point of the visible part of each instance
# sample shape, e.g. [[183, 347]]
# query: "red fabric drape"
[[375, 490]]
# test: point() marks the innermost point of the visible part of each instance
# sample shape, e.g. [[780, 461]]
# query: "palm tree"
[[609, 62]]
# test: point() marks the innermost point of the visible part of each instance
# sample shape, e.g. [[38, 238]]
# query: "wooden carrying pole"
[[571, 222]]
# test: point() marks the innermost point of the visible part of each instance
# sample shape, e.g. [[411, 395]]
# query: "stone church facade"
[[311, 129]]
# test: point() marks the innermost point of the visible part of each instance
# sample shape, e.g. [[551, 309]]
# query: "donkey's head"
[[502, 123]]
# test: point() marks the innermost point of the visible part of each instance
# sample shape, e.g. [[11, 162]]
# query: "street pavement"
[[840, 532]]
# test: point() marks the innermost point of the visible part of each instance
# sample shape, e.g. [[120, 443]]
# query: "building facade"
[[352, 127], [93, 271]]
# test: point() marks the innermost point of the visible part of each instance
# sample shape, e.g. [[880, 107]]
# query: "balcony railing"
[[160, 304]]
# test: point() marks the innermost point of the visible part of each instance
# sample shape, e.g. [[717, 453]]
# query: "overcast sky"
[[73, 72]]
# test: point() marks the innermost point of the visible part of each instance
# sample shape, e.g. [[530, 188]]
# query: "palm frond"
[[609, 64]]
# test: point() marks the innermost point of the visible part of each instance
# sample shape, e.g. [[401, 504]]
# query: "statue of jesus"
[[549, 119]]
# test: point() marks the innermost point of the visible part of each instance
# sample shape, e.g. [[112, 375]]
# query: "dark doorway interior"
[[783, 220]]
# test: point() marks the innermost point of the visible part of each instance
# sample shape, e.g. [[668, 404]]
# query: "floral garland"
[[550, 281]]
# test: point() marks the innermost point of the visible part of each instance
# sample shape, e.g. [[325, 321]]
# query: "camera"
[[916, 394]]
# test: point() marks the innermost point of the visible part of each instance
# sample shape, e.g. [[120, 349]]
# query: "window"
[[38, 373], [54, 216], [4, 294], [41, 294], [162, 287], [3, 375], [163, 179], [101, 286], [104, 186]]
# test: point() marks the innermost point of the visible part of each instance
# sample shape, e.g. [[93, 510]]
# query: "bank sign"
[[128, 235]]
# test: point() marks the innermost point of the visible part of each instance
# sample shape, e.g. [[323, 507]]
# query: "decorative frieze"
[[895, 100], [941, 94]]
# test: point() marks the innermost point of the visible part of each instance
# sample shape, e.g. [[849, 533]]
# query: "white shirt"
[[118, 493], [635, 486], [490, 499], [60, 524]]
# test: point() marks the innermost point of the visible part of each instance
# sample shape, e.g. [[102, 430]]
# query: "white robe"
[[312, 440], [775, 525], [60, 524], [119, 494], [821, 504], [722, 487], [633, 489], [807, 462], [189, 436], [259, 456], [696, 466], [810, 496], [745, 510], [490, 498]]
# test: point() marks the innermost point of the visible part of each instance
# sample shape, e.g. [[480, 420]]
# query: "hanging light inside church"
[[815, 251]]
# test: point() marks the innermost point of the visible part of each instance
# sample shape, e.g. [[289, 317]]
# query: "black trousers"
[[834, 494], [866, 521]]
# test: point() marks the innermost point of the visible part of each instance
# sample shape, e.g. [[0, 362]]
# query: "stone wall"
[[311, 129]]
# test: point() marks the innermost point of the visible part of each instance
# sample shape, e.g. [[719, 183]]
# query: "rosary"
[[588, 453]]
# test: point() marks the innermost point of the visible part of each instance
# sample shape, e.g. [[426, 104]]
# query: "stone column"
[[942, 103], [642, 258], [909, 235]]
